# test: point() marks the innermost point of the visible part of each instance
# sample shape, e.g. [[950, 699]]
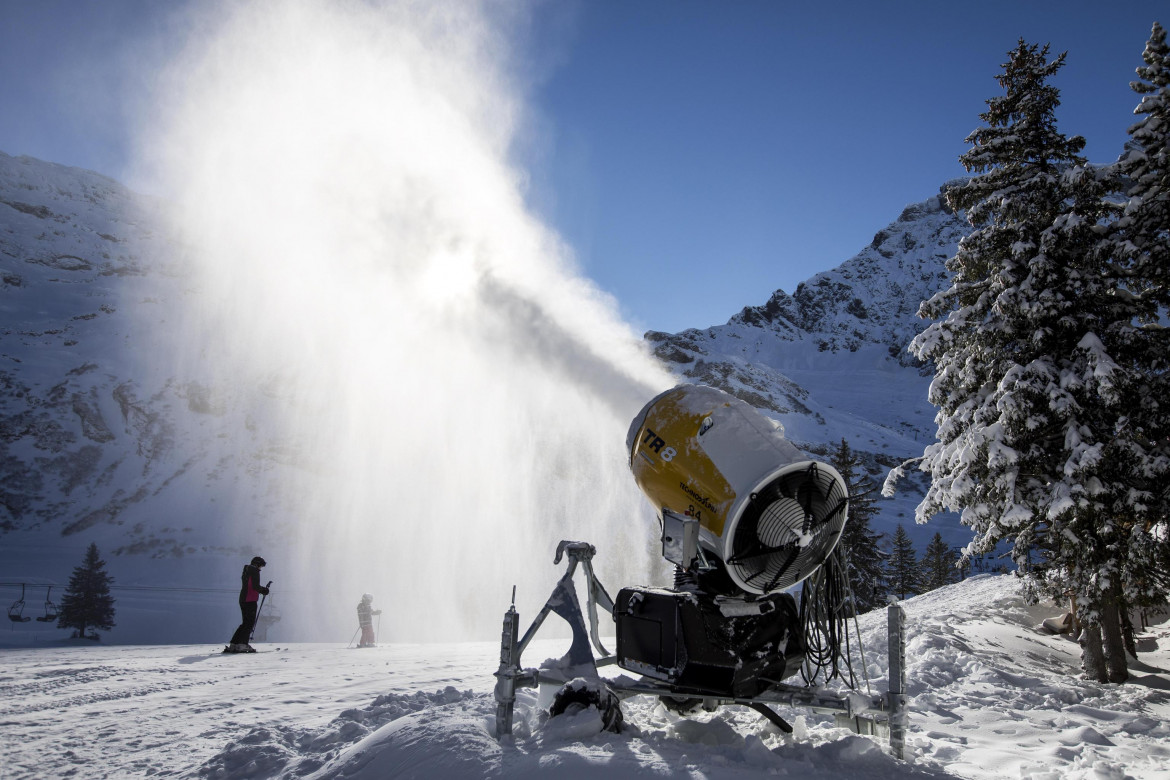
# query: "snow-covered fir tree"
[[1139, 245], [903, 574], [860, 545], [87, 603], [1141, 235], [939, 564], [1036, 364]]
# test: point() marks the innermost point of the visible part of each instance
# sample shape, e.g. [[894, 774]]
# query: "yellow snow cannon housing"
[[764, 510]]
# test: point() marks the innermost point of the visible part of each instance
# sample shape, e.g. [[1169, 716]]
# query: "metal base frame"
[[882, 715]]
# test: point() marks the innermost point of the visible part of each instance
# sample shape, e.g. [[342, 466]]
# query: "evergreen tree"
[[1141, 236], [860, 546], [903, 576], [939, 564], [1034, 357], [87, 603], [1139, 246]]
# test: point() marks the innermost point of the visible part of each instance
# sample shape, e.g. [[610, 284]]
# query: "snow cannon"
[[745, 518], [732, 492]]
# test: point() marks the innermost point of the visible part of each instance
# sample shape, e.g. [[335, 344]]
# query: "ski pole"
[[378, 630], [359, 628], [257, 620]]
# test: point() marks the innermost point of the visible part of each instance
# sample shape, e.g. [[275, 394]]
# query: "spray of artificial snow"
[[440, 397]]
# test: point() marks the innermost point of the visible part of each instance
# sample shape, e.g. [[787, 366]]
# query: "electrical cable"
[[824, 614]]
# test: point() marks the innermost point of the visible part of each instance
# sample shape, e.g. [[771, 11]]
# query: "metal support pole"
[[509, 668], [896, 621]]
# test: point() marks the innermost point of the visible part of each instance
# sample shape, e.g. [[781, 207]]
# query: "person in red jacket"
[[250, 592]]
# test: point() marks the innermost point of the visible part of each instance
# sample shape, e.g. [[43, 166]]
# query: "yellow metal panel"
[[671, 468]]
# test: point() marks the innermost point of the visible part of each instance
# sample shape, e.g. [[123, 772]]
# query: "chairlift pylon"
[[16, 611], [50, 608]]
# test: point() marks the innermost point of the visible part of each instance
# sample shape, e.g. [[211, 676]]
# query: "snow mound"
[[990, 696], [293, 751]]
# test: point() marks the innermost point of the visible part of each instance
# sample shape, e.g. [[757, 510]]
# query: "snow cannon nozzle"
[[764, 511]]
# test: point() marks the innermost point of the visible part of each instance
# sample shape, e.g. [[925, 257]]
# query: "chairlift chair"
[[50, 608], [16, 611]]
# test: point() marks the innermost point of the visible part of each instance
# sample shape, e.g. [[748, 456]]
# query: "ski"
[[228, 651]]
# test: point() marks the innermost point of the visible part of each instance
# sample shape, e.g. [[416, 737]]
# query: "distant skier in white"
[[366, 612]]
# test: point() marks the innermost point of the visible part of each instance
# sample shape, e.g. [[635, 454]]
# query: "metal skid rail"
[[863, 714]]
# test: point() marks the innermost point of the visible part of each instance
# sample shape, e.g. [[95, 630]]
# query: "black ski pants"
[[244, 632]]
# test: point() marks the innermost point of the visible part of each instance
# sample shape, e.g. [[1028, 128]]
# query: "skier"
[[250, 591], [366, 614]]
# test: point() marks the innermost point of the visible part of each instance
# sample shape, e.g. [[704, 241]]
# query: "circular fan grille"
[[788, 529]]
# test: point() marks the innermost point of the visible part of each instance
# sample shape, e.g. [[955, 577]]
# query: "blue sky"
[[695, 155]]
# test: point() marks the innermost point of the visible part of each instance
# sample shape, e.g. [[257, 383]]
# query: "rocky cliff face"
[[88, 438], [829, 361], [870, 300], [63, 252]]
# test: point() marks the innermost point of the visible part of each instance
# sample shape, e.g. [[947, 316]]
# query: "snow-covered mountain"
[[101, 440], [78, 442], [830, 361], [97, 444], [83, 439], [92, 439]]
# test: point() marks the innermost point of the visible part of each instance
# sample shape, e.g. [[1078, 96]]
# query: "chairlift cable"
[[163, 588]]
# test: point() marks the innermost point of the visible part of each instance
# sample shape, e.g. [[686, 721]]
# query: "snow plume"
[[429, 389]]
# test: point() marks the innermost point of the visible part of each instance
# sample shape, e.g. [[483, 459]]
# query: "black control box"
[[708, 645]]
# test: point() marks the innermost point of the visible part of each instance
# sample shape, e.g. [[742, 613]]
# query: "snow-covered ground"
[[990, 697]]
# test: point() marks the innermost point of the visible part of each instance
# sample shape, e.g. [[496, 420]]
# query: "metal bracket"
[[680, 538], [563, 601], [865, 715]]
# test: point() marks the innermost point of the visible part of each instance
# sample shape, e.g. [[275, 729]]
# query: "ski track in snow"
[[990, 697]]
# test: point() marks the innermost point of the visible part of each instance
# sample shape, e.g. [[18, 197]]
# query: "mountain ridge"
[[93, 439]]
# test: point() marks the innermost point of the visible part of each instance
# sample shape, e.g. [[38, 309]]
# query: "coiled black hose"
[[826, 605]]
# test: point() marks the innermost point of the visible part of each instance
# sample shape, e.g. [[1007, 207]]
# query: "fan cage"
[[787, 529]]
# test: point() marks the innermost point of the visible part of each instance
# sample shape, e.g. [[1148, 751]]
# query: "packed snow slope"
[[990, 696]]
